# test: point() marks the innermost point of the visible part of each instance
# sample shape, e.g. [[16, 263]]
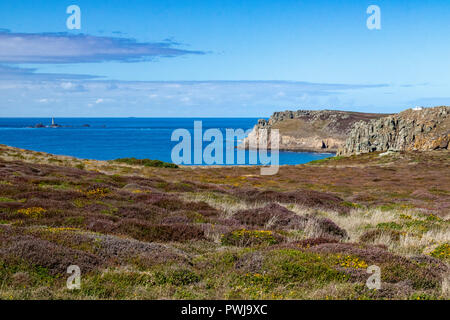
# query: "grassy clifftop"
[[140, 232]]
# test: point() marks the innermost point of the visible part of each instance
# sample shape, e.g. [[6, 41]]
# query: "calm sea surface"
[[111, 138]]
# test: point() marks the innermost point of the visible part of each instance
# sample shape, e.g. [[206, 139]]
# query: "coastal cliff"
[[420, 129], [306, 130]]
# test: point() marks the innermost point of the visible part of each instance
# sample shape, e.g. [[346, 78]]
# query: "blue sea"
[[112, 138]]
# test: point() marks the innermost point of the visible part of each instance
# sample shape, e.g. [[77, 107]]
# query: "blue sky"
[[221, 58]]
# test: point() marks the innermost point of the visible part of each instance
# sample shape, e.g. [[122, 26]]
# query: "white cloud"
[[182, 98], [67, 85], [70, 48]]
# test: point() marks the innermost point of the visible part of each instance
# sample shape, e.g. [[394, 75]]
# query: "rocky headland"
[[419, 129], [347, 133], [306, 130]]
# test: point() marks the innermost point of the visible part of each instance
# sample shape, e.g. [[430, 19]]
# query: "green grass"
[[326, 160], [389, 225], [249, 237], [59, 185], [395, 206], [146, 162], [351, 204], [180, 277]]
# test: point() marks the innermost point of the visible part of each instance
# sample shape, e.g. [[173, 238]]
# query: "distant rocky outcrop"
[[419, 129], [306, 130]]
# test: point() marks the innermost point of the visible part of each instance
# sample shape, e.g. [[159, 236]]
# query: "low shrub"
[[159, 232], [245, 238], [272, 216], [147, 212], [146, 162], [97, 192], [250, 262], [389, 225], [180, 277], [442, 252], [293, 266], [109, 247], [33, 212], [42, 253], [307, 198], [325, 227], [352, 262]]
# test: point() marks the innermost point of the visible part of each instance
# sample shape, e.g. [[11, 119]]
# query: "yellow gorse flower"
[[442, 251], [353, 262], [97, 192], [34, 212]]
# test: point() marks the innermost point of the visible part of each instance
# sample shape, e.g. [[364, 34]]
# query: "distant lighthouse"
[[54, 125]]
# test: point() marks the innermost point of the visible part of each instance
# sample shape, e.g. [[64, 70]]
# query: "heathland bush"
[[245, 238], [306, 198], [144, 231], [177, 277], [146, 162], [42, 253], [273, 216]]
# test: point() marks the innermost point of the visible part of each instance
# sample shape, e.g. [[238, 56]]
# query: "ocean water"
[[112, 138]]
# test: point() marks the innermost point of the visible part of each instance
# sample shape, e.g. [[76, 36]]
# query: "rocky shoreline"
[[346, 133], [420, 129], [309, 131]]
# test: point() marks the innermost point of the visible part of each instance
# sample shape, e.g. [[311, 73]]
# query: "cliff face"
[[304, 130], [422, 130]]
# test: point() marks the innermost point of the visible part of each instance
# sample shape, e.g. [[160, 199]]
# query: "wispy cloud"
[[172, 98], [31, 74], [16, 48]]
